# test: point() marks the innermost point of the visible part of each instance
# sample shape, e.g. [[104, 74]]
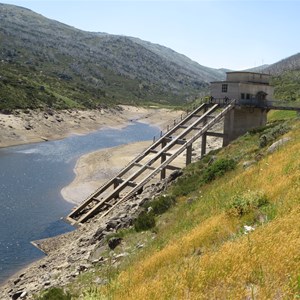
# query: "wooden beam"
[[216, 134]]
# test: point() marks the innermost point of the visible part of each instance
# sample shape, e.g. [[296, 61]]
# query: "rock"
[[17, 295], [275, 146], [23, 295], [82, 268], [100, 281], [112, 224], [114, 242], [175, 175], [248, 164], [139, 246], [28, 126], [47, 283], [17, 281], [121, 255]]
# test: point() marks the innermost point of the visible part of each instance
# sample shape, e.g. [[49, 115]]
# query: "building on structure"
[[250, 90]]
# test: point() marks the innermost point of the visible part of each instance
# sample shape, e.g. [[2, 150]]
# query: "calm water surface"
[[31, 178]]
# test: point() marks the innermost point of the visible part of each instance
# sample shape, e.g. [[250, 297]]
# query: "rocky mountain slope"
[[290, 63], [44, 62]]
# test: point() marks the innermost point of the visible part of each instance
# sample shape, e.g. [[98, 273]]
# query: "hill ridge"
[[63, 66]]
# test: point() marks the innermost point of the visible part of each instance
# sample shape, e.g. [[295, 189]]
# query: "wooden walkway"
[[154, 161]]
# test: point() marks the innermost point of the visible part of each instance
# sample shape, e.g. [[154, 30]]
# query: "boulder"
[[275, 146], [114, 242]]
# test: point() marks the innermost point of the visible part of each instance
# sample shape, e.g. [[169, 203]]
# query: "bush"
[[217, 169], [270, 134], [55, 294], [144, 221], [161, 204], [243, 204]]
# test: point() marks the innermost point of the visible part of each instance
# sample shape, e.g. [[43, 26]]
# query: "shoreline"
[[93, 169], [34, 126], [151, 116], [68, 252]]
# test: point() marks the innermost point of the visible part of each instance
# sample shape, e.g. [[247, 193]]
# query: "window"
[[247, 96], [242, 96], [224, 88]]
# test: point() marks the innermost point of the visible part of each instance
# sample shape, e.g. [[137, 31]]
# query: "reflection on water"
[[31, 177]]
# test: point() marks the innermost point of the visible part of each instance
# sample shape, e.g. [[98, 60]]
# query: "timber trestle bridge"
[[239, 116], [154, 161]]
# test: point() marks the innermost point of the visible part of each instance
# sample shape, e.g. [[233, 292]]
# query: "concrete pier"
[[242, 119]]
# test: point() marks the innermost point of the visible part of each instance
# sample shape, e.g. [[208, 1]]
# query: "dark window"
[[247, 96], [242, 96], [224, 88]]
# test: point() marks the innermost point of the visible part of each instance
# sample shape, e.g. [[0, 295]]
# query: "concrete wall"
[[235, 89], [242, 119]]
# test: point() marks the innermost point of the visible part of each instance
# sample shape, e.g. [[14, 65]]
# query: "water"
[[31, 178]]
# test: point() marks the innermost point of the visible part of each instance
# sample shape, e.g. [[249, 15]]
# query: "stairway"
[[153, 161]]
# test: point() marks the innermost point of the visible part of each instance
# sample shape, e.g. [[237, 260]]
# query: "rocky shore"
[[34, 126]]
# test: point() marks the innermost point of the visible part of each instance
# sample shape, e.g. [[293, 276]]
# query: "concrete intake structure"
[[251, 92]]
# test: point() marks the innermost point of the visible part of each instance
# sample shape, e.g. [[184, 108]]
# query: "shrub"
[[55, 294], [144, 221], [217, 169], [161, 204], [243, 204], [199, 174], [270, 134]]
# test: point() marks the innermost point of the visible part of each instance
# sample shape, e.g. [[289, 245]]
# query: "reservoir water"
[[31, 178]]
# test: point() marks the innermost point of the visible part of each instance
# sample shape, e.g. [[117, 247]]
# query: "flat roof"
[[248, 72], [243, 82]]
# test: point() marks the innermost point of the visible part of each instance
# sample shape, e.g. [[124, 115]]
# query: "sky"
[[232, 34]]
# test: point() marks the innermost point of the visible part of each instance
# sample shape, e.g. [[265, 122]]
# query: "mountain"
[[47, 63], [258, 69], [286, 78], [288, 64]]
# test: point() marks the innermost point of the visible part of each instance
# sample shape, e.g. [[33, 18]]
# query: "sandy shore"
[[23, 127], [94, 169]]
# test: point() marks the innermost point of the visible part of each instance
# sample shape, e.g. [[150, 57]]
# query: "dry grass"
[[211, 257]]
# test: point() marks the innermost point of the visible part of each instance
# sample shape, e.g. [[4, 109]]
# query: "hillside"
[[290, 63], [44, 62], [235, 235], [286, 78]]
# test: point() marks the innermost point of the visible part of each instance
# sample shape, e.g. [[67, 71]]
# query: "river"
[[31, 178]]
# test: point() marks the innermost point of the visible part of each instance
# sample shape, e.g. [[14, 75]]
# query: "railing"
[[267, 104]]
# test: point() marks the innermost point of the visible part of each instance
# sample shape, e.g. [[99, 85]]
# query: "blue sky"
[[220, 34]]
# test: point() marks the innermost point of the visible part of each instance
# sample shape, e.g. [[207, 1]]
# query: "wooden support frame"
[[161, 153]]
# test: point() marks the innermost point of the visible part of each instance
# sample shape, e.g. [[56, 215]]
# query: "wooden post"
[[203, 144], [163, 158], [204, 136], [189, 154]]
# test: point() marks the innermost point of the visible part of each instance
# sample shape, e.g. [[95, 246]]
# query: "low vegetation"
[[287, 86], [234, 235]]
